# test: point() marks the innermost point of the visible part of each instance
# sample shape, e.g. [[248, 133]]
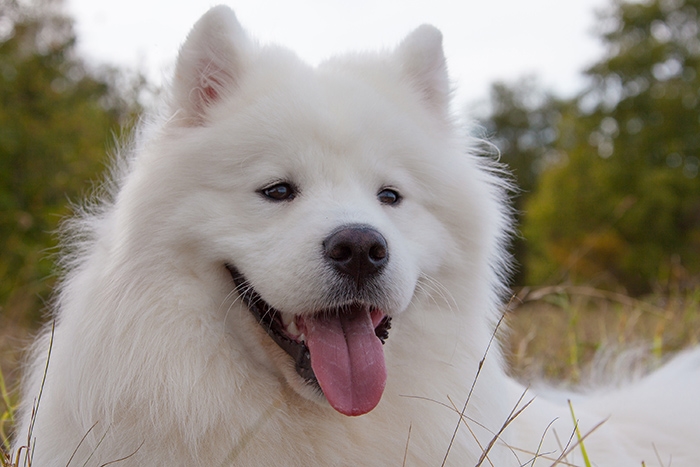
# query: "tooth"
[[292, 328]]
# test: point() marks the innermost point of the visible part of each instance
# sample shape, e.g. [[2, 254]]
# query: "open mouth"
[[337, 350]]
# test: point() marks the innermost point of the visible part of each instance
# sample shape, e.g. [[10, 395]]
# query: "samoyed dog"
[[303, 266]]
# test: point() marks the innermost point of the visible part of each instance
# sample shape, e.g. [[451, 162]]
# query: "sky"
[[484, 40]]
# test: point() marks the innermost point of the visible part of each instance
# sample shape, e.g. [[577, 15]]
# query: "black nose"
[[357, 251]]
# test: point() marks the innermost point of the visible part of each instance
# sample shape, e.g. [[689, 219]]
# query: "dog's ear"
[[423, 63], [209, 64]]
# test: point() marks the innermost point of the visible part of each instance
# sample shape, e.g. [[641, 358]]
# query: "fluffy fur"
[[156, 360]]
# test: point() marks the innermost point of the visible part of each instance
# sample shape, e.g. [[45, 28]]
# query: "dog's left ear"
[[209, 64], [423, 63]]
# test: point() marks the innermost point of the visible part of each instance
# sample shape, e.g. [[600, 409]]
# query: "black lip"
[[269, 318]]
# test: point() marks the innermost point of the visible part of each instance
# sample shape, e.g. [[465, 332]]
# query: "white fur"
[[156, 360]]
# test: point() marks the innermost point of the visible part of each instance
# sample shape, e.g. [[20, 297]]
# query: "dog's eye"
[[279, 192], [389, 196]]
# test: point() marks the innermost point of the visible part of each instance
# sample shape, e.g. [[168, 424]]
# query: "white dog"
[[303, 266]]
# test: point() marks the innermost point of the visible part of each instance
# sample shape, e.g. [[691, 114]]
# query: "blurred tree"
[[623, 203], [524, 126], [56, 116]]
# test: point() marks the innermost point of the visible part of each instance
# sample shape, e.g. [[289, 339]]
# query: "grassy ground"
[[13, 338], [554, 333]]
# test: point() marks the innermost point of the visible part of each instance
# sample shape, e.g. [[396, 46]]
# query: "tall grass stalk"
[[584, 454]]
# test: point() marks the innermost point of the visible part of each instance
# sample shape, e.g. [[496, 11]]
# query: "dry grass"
[[556, 332]]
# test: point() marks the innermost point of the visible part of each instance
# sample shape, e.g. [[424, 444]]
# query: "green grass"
[[579, 437], [7, 418], [12, 340]]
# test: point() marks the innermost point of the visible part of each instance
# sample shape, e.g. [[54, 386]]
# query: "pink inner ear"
[[211, 94], [212, 81]]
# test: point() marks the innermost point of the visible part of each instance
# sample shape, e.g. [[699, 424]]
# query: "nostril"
[[377, 252], [340, 252]]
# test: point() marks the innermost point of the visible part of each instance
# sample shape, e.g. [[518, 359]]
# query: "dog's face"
[[332, 244], [317, 190]]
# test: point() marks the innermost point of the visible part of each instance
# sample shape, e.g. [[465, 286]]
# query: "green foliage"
[[524, 126], [56, 117], [618, 201]]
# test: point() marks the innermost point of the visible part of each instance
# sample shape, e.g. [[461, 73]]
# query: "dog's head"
[[325, 194]]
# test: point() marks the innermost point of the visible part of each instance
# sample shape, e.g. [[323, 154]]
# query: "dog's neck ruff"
[[352, 386]]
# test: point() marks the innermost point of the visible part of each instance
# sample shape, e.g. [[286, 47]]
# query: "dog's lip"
[[269, 318], [292, 342]]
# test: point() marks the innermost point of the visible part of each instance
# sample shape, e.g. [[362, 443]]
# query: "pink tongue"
[[348, 360]]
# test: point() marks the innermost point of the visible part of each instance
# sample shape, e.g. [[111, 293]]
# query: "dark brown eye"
[[389, 196], [279, 192]]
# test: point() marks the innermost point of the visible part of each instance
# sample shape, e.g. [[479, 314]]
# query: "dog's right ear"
[[209, 64]]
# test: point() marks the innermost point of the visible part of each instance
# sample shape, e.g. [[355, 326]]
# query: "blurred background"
[[593, 105]]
